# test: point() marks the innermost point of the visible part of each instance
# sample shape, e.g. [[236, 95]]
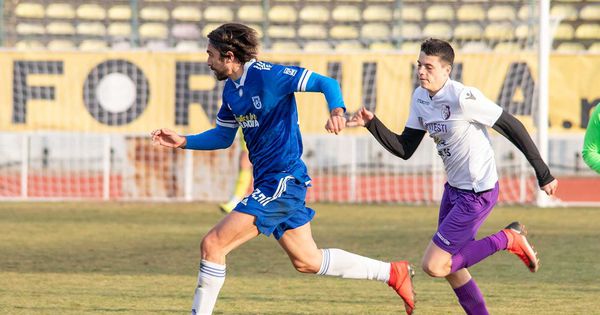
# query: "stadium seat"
[[590, 12], [410, 47], [251, 13], [527, 13], [285, 46], [407, 31], [379, 31], [525, 31], [317, 46], [595, 47], [153, 30], [570, 47], [588, 31], [186, 13], [92, 44], [349, 46], [312, 31], [120, 45], [209, 28], [343, 32], [468, 31], [29, 45], [119, 12], [377, 13], [382, 46], [91, 12], [60, 28], [60, 44], [501, 13], [283, 14], [218, 14], [346, 13], [154, 14], [187, 45], [499, 31], [470, 12], [30, 29], [119, 29], [473, 47], [60, 11], [91, 29], [439, 12], [507, 47], [281, 31], [156, 45], [258, 28], [409, 13], [185, 31], [564, 32], [314, 13], [438, 30], [30, 10], [564, 12]]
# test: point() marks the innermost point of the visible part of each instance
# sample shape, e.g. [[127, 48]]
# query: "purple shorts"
[[461, 214]]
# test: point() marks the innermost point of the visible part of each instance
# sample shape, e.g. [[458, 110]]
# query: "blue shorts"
[[462, 213], [278, 204]]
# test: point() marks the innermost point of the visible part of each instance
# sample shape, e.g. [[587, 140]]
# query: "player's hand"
[[336, 121], [167, 138], [362, 117], [550, 188]]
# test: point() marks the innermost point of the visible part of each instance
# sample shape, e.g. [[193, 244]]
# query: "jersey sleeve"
[[478, 108], [225, 117], [413, 117], [286, 79]]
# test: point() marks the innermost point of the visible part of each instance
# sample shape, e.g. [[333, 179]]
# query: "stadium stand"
[[380, 24]]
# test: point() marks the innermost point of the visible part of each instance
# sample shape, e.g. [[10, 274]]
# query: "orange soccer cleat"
[[401, 280], [518, 245]]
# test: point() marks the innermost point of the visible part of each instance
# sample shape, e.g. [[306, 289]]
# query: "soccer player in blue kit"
[[259, 97]]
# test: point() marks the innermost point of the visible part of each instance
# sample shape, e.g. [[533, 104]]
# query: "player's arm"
[[512, 129], [333, 94], [402, 146], [213, 139], [591, 150]]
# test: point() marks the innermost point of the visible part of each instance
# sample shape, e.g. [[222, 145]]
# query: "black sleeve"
[[512, 129], [403, 145]]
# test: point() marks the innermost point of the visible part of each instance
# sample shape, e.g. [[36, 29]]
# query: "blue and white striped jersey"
[[262, 103]]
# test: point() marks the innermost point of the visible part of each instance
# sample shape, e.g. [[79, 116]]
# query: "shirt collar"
[[243, 78], [441, 91]]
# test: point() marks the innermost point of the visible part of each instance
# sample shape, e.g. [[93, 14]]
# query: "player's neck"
[[433, 92], [237, 71]]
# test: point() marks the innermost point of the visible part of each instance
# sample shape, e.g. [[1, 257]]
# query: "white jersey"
[[457, 118]]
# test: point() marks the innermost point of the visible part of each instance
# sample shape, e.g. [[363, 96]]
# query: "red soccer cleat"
[[401, 280], [518, 245]]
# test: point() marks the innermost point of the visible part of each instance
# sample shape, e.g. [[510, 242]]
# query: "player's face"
[[432, 72], [217, 63]]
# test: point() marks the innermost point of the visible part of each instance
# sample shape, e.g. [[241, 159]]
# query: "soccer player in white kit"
[[457, 117]]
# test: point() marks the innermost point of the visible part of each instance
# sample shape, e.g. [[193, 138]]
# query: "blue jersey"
[[262, 103]]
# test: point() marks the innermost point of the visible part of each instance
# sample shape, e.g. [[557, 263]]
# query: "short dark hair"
[[440, 48], [238, 38]]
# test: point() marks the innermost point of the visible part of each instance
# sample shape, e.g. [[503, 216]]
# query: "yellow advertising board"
[[140, 91]]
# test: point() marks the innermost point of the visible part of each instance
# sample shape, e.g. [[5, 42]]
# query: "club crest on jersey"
[[256, 102], [446, 112], [247, 121]]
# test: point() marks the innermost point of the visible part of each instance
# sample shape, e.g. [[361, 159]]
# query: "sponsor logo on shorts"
[[443, 239]]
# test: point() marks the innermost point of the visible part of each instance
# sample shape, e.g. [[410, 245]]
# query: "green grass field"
[[115, 258]]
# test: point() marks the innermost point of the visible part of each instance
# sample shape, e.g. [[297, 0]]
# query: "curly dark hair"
[[238, 38], [440, 48]]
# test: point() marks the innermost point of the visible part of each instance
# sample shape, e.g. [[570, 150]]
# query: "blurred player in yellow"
[[243, 182]]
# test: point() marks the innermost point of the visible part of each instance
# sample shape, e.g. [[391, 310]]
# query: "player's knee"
[[434, 269], [210, 246]]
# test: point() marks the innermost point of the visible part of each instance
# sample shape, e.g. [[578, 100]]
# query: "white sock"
[[210, 280], [340, 263]]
